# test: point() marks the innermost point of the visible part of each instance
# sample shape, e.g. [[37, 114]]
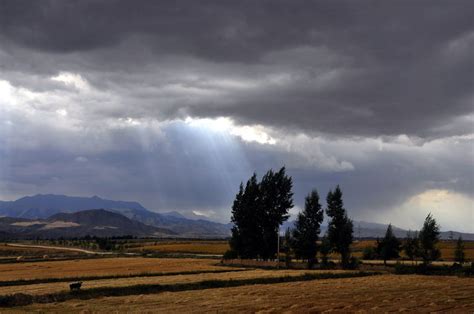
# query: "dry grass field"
[[219, 247], [44, 288], [446, 247], [409, 293], [378, 293], [102, 267], [447, 250], [195, 247], [182, 285]]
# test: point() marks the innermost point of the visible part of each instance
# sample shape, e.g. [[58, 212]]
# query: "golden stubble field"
[[379, 293], [446, 248], [103, 267], [383, 293], [219, 247], [44, 288], [193, 247]]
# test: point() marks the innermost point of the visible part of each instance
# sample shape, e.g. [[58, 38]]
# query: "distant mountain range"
[[43, 206], [93, 222], [49, 215]]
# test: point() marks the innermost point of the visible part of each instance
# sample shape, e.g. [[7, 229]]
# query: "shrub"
[[353, 263], [230, 254], [328, 265], [369, 253]]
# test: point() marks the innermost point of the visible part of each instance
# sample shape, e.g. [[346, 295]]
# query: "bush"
[[369, 253], [353, 263], [230, 254], [328, 265], [402, 269]]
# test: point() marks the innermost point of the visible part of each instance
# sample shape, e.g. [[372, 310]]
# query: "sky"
[[174, 103]]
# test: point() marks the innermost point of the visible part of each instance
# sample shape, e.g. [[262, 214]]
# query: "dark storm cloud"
[[240, 30], [336, 83], [397, 68]]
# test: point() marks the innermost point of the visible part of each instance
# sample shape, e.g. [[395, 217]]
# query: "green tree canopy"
[[276, 198], [389, 247], [257, 213], [459, 255], [307, 229], [286, 247], [429, 237], [246, 232], [340, 228], [412, 246]]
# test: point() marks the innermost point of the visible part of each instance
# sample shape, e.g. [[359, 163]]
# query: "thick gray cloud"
[[374, 96], [347, 68]]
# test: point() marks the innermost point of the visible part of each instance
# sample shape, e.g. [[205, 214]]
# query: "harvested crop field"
[[446, 247], [103, 267], [55, 287], [375, 293], [196, 247]]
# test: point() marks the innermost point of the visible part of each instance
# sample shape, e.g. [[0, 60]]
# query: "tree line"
[[418, 245], [260, 207], [258, 211]]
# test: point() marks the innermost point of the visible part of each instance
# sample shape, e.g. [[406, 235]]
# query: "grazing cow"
[[75, 285]]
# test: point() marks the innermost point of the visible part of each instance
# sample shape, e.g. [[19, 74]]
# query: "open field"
[[103, 267], [196, 247], [45, 288], [376, 293], [166, 285], [218, 247], [49, 281], [447, 250], [446, 247], [9, 251]]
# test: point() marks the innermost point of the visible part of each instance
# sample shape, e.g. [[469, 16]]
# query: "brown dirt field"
[[197, 247], [368, 294], [102, 267], [45, 288]]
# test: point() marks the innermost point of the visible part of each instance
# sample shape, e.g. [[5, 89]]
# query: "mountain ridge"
[[93, 222], [42, 206]]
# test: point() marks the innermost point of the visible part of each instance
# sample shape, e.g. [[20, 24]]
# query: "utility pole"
[[278, 247]]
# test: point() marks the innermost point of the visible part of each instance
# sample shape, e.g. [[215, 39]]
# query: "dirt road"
[[62, 248]]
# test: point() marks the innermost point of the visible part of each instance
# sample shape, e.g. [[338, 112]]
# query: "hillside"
[[42, 206], [95, 222]]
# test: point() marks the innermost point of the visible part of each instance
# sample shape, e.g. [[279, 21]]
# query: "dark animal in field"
[[75, 286]]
